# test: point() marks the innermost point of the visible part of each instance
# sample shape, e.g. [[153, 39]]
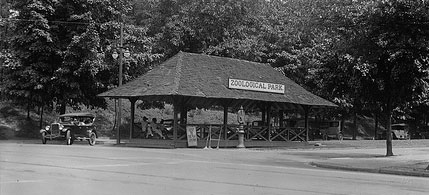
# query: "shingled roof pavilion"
[[189, 80]]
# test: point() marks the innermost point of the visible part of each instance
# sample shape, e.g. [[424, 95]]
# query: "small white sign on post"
[[191, 133]]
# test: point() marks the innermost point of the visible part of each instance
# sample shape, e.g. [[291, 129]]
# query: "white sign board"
[[191, 133], [256, 86]]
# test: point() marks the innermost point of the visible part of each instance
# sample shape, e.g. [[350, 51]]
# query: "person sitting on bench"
[[154, 127]]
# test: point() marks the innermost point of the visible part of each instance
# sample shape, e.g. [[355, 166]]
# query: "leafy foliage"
[[62, 50], [388, 50], [26, 74], [222, 27]]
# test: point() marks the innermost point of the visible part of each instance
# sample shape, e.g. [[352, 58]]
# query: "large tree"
[[81, 32], [390, 47], [230, 28], [27, 74], [5, 33], [64, 50]]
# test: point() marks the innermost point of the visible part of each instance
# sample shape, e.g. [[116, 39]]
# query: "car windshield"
[[399, 127], [76, 119]]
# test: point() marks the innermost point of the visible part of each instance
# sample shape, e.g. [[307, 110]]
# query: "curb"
[[391, 170], [343, 167], [105, 141], [414, 173]]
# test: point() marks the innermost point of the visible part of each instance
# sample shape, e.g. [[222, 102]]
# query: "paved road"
[[81, 169]]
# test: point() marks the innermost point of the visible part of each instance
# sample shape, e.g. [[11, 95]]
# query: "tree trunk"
[[389, 104], [41, 117], [28, 108], [426, 119], [62, 107], [389, 151], [355, 128], [376, 125]]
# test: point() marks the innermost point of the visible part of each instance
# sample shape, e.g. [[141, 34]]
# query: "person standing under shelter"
[[145, 128], [154, 127]]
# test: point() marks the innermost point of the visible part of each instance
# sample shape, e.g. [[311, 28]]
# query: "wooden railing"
[[203, 131], [252, 133], [261, 133]]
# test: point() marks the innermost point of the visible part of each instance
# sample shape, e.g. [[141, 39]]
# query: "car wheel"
[[325, 137], [69, 139], [43, 137], [92, 138], [340, 137]]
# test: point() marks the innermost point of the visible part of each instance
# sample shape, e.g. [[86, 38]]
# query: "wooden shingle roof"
[[203, 79]]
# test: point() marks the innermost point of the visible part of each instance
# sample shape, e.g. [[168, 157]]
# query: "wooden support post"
[[175, 118], [183, 113], [119, 121], [133, 110], [263, 112], [269, 120], [225, 121], [281, 118], [306, 112]]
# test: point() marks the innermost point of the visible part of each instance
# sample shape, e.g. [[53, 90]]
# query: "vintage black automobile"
[[71, 127]]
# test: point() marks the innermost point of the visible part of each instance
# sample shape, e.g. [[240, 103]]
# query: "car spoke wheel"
[[43, 137], [92, 138], [340, 137], [69, 138], [325, 136]]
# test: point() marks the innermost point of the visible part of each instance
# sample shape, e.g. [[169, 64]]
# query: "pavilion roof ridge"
[[178, 72], [229, 58]]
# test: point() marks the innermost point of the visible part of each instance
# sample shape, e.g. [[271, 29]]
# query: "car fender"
[[65, 129], [96, 134]]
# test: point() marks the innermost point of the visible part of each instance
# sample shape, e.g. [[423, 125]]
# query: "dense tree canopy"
[[62, 50]]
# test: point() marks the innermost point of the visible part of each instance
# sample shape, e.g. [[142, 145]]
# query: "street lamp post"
[[115, 55]]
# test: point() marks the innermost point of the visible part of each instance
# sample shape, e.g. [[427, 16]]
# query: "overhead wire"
[[51, 21]]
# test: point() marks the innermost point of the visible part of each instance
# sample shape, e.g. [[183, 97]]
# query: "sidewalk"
[[406, 161]]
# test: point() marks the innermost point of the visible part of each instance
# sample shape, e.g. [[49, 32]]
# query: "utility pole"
[[121, 56], [115, 55]]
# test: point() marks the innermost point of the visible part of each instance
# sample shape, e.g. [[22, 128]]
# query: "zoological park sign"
[[256, 86]]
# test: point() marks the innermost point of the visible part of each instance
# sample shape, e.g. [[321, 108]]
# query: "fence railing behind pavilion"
[[252, 133]]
